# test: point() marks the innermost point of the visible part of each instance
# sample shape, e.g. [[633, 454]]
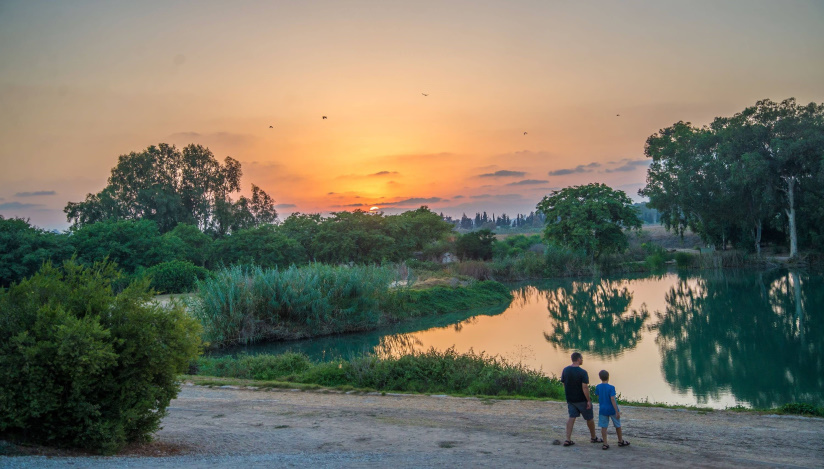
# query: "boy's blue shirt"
[[604, 391]]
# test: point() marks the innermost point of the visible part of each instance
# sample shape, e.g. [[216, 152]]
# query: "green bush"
[[431, 371], [799, 408], [655, 261], [175, 276], [563, 262], [524, 266], [684, 260], [83, 367]]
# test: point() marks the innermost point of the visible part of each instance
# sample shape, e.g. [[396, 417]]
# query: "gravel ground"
[[254, 428]]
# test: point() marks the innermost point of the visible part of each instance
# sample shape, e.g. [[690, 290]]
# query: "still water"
[[754, 339]]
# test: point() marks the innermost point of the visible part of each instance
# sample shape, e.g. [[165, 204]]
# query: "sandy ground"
[[255, 428]]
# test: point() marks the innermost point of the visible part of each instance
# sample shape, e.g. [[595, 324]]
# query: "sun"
[[372, 209]]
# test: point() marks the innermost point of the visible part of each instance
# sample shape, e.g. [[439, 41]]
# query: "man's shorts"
[[579, 408], [603, 421]]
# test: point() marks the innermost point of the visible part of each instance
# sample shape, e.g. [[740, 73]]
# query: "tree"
[[591, 217], [264, 246], [132, 245], [169, 186], [475, 245], [24, 248]]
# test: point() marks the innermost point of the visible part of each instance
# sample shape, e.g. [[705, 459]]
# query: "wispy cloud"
[[285, 206], [34, 194], [418, 200], [628, 165], [578, 169], [458, 197], [482, 196], [383, 173], [17, 206], [503, 173], [527, 182]]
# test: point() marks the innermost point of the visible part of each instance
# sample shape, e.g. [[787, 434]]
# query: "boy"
[[608, 409]]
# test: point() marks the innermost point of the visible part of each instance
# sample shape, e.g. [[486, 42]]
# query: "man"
[[576, 388]]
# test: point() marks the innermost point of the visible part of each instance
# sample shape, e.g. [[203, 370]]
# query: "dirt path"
[[251, 428]]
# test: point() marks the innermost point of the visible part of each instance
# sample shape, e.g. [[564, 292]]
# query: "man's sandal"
[[623, 443], [569, 443], [605, 447], [596, 440]]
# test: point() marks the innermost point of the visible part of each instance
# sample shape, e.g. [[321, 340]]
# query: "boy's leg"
[[618, 432], [617, 424], [604, 434]]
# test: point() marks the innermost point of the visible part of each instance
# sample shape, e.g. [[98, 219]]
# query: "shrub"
[[175, 276], [524, 266], [684, 260], [655, 261], [800, 408], [478, 270], [83, 367], [563, 262]]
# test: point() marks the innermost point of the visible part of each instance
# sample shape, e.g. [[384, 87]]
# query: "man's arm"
[[615, 406], [585, 386]]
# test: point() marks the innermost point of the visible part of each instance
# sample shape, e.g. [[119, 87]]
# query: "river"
[[716, 339]]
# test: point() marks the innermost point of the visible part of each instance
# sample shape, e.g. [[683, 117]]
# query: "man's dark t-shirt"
[[573, 378]]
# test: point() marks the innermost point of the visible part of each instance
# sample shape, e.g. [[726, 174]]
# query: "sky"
[[522, 97]]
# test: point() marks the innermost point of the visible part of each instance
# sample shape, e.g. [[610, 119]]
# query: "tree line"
[[742, 180]]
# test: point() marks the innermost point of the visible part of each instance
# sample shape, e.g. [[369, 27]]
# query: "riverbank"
[[256, 428]]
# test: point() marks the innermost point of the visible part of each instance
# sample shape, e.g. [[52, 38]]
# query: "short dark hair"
[[576, 356], [604, 375]]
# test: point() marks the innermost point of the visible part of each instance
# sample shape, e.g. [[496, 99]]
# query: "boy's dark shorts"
[[579, 408]]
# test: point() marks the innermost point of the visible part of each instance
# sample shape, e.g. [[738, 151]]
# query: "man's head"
[[604, 375], [577, 358]]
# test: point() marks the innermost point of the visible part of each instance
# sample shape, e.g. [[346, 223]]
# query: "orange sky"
[[83, 82]]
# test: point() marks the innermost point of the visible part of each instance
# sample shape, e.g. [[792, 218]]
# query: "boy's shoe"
[[596, 440], [569, 443], [623, 443], [605, 447]]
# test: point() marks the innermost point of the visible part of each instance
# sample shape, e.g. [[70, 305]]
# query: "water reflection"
[[746, 334], [592, 317]]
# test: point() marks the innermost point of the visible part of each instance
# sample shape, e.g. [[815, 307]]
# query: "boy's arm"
[[615, 406]]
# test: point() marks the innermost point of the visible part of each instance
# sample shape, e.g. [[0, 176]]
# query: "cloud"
[[458, 197], [383, 173], [285, 206], [482, 196], [331, 193], [17, 206], [503, 173], [628, 165], [527, 182], [418, 200], [34, 194], [578, 169]]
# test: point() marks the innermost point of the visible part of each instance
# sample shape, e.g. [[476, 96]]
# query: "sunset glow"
[[461, 106]]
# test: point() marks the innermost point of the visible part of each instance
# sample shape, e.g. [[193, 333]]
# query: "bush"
[[478, 270], [563, 262], [524, 266], [655, 261], [175, 276], [684, 260], [799, 408], [82, 367]]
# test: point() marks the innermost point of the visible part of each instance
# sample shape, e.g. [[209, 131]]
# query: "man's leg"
[[591, 426], [570, 424]]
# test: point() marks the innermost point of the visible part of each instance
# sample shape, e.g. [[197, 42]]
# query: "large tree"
[[170, 186], [592, 217]]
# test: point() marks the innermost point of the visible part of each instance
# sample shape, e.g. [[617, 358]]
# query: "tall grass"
[[428, 372], [244, 304]]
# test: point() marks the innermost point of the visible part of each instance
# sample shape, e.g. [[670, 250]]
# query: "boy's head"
[[576, 357], [604, 375]]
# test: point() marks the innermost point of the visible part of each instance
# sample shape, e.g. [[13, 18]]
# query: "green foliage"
[[475, 245], [655, 261], [799, 408], [684, 260], [264, 245], [190, 244], [83, 367], [244, 304], [132, 245], [24, 248], [563, 262], [175, 276], [429, 372], [407, 303], [591, 217], [248, 304], [524, 266], [170, 186], [516, 245]]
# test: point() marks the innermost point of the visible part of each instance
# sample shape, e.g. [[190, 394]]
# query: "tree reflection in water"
[[592, 317], [747, 334]]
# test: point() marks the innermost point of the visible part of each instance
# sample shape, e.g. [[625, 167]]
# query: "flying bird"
[[425, 94], [271, 127], [524, 133], [617, 115], [324, 117]]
